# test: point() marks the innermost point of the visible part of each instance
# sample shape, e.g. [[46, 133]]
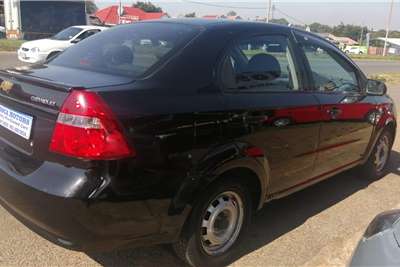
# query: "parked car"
[[355, 50], [380, 244], [121, 142], [39, 51], [2, 32]]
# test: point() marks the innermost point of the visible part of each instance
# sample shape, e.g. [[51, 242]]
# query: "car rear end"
[[56, 143], [61, 142]]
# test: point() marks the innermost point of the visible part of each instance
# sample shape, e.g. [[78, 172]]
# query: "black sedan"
[[177, 131]]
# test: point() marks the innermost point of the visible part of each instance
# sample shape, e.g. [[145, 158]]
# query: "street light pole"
[[388, 27], [269, 11]]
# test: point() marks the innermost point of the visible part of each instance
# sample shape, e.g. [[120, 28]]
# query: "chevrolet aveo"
[[178, 131]]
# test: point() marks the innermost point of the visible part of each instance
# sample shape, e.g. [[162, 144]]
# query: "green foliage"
[[281, 21], [10, 45], [320, 28], [147, 6], [231, 13], [91, 7], [190, 15], [352, 31], [382, 33], [348, 30]]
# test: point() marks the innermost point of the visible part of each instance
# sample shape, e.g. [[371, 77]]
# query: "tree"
[[190, 15], [91, 7], [147, 7], [320, 28], [382, 33], [231, 14], [281, 21], [349, 30]]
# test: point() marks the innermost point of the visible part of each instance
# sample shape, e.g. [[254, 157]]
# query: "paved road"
[[318, 226], [373, 67]]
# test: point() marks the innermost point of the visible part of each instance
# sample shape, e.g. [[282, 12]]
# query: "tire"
[[376, 165], [360, 53], [194, 246]]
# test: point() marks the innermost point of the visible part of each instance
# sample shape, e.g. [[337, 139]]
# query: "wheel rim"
[[221, 223], [382, 153]]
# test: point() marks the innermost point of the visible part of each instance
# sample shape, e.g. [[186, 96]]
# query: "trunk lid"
[[31, 98]]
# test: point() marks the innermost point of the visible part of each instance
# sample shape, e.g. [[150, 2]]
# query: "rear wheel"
[[216, 226], [376, 165]]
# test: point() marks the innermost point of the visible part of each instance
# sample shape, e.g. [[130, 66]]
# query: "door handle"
[[334, 112]]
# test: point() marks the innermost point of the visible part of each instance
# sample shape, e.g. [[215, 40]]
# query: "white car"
[[2, 32], [353, 50], [39, 51]]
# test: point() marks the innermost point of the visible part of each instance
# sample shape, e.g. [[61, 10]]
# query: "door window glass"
[[330, 72], [263, 63], [87, 34]]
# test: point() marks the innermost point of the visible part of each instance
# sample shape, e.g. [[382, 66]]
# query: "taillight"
[[86, 128]]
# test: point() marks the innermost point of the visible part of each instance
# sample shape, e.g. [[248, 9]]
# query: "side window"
[[87, 34], [330, 72], [263, 63]]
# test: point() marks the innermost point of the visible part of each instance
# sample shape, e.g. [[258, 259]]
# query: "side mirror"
[[76, 40], [376, 88]]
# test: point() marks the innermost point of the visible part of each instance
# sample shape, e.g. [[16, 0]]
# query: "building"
[[393, 45], [110, 15], [2, 20], [341, 42], [39, 19]]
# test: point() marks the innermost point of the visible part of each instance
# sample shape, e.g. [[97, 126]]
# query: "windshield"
[[128, 50], [67, 34]]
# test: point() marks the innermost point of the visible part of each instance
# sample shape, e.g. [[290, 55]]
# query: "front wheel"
[[376, 165], [216, 226]]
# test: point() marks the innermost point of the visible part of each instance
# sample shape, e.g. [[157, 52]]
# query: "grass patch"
[[391, 78], [375, 57], [10, 45]]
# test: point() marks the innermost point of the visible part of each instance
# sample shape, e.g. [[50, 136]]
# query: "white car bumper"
[[29, 57]]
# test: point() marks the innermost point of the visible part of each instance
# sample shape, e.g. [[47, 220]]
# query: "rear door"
[[346, 110], [269, 108]]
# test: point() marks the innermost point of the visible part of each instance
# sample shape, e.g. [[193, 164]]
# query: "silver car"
[[380, 245]]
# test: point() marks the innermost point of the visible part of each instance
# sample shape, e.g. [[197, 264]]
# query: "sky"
[[373, 14]]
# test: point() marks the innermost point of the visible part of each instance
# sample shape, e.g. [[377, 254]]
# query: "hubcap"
[[382, 153], [222, 222]]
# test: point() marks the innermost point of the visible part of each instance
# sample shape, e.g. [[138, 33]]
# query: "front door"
[[347, 123]]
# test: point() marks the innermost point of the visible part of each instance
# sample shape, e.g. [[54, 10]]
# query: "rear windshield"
[[127, 50]]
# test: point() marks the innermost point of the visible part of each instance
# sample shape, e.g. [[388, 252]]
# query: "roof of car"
[[87, 27], [209, 23]]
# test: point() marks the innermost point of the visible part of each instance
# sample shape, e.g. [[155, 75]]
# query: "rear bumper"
[[81, 223]]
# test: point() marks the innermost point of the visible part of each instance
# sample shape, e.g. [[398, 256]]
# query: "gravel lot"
[[318, 226]]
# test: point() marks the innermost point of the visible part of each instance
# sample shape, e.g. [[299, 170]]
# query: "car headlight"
[[35, 50], [382, 222]]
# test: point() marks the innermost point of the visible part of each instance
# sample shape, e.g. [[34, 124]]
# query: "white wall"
[[12, 18]]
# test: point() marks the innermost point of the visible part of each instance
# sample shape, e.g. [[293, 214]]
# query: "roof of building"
[[109, 15], [395, 41], [345, 40], [211, 17]]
